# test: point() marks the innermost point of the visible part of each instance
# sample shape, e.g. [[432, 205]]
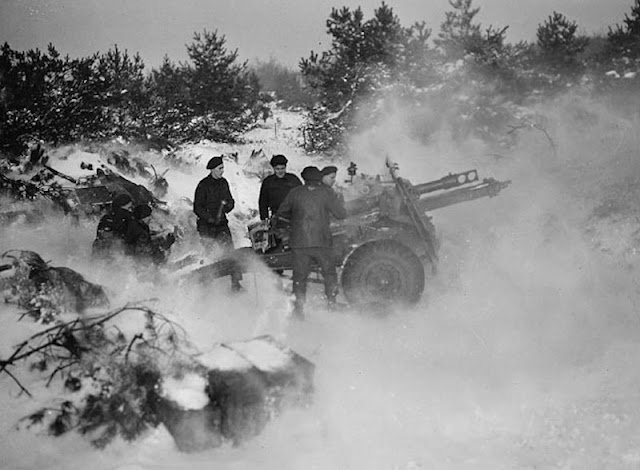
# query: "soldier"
[[212, 202], [308, 208], [329, 176], [276, 187], [147, 247], [114, 229]]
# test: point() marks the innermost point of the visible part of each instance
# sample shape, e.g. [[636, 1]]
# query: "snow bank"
[[188, 391]]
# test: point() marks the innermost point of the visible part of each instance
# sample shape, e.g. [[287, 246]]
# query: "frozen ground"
[[523, 354]]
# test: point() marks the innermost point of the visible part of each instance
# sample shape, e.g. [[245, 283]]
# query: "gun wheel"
[[383, 272]]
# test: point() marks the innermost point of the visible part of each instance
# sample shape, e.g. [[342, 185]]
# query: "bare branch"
[[18, 383]]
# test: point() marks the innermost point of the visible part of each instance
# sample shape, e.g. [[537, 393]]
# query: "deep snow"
[[523, 353]]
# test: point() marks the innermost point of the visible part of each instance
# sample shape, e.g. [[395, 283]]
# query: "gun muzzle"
[[450, 181]]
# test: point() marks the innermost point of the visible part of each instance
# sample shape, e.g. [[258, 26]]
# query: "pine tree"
[[123, 93], [624, 40], [365, 57], [559, 44], [460, 37], [458, 33], [218, 83]]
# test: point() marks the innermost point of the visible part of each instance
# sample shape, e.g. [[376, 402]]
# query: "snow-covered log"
[[241, 387]]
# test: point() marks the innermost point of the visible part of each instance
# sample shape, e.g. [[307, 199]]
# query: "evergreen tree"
[[123, 94], [210, 97], [365, 57], [624, 40], [560, 45], [458, 33], [218, 83], [461, 38], [168, 90]]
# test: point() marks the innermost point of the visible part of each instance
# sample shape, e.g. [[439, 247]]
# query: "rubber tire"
[[383, 272]]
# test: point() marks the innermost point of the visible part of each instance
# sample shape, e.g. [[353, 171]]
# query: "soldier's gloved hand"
[[170, 240]]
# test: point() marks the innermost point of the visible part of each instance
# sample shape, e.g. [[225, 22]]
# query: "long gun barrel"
[[452, 180], [488, 187]]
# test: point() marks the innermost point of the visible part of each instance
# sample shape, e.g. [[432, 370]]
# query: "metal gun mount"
[[394, 200]]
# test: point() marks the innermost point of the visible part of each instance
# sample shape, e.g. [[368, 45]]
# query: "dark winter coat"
[[148, 248], [207, 203], [273, 191], [309, 208], [117, 230]]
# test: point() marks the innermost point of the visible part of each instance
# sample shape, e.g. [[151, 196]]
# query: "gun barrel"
[[487, 188], [452, 180]]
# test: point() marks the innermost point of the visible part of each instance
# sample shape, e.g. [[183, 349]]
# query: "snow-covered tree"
[[365, 57]]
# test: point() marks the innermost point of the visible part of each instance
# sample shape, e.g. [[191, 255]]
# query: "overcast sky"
[[259, 29]]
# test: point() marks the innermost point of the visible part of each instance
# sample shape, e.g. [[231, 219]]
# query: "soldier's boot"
[[297, 312], [298, 306], [331, 292], [236, 285]]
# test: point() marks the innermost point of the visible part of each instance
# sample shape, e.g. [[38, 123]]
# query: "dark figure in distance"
[[212, 202], [309, 208], [149, 248], [116, 229], [276, 187]]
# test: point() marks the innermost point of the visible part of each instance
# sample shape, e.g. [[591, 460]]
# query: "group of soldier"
[[306, 207]]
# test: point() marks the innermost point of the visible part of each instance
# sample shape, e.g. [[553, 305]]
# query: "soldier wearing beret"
[[329, 175], [212, 202], [275, 187], [309, 209]]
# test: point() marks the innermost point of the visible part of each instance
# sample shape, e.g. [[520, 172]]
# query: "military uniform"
[[212, 202], [212, 215], [273, 191], [309, 208], [147, 248], [116, 231]]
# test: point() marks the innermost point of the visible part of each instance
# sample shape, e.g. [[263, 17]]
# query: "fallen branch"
[[529, 125], [66, 343]]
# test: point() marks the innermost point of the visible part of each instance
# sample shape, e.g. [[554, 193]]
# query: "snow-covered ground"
[[524, 352]]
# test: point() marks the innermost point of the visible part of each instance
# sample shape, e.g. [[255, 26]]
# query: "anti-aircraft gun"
[[383, 246]]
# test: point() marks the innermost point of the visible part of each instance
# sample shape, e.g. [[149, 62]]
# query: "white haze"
[[522, 354]]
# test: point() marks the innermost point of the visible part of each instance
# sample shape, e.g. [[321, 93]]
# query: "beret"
[[311, 174], [327, 170], [215, 162], [120, 200], [141, 211], [278, 160]]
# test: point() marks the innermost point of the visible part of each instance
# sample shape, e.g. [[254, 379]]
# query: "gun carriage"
[[386, 246]]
